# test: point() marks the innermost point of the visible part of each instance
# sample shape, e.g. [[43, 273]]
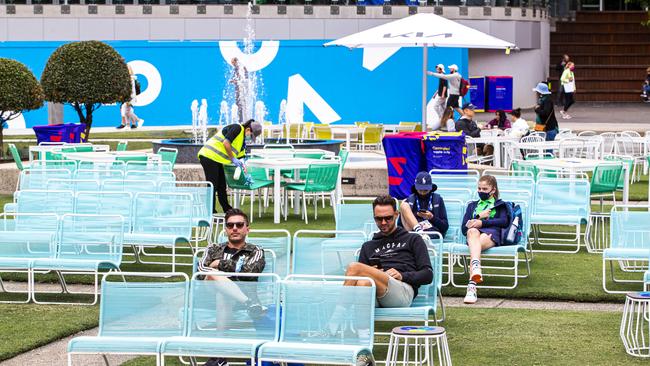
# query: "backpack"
[[514, 231], [464, 87]]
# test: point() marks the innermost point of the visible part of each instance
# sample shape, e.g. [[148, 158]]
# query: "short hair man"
[[236, 256], [398, 261]]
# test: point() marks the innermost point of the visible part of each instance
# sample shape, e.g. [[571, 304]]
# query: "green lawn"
[[24, 327], [521, 337]]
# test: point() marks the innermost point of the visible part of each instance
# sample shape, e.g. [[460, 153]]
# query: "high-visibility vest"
[[214, 149]]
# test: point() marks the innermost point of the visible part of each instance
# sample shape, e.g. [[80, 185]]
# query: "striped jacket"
[[253, 259]]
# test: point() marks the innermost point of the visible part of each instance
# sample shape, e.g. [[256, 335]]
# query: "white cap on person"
[[453, 67]]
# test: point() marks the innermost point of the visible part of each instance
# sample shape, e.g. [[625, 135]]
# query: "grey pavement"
[[492, 303], [599, 117]]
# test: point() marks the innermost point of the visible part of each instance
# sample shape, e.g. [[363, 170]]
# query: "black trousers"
[[568, 101], [214, 174]]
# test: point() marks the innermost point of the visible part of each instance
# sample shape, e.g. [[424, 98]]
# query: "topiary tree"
[[86, 75], [19, 91], [645, 6]]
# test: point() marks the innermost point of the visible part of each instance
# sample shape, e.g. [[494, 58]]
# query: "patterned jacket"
[[253, 259]]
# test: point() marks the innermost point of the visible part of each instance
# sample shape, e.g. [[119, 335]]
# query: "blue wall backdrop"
[[193, 70]]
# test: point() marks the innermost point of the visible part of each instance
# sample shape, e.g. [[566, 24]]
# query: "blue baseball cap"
[[423, 182]]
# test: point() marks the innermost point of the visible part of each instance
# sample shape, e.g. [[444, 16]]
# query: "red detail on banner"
[[394, 181], [397, 164], [55, 138]]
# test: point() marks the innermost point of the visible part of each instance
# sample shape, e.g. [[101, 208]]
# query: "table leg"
[[626, 184], [276, 196], [347, 140], [296, 196], [497, 153]]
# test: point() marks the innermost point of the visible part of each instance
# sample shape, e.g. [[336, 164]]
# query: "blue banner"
[[445, 150], [404, 158], [329, 83]]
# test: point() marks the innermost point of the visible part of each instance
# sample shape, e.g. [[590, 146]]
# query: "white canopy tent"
[[420, 30]]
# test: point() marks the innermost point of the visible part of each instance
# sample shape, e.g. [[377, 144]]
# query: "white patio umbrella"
[[420, 30]]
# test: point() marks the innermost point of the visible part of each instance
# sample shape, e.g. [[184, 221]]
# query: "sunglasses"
[[239, 225], [384, 218]]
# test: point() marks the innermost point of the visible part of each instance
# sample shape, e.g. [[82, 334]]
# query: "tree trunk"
[[85, 119], [2, 146], [89, 123]]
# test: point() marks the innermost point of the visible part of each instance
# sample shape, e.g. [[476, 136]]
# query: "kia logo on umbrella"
[[416, 35]]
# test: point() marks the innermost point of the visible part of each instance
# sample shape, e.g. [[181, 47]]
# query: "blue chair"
[[44, 201], [463, 194], [560, 202], [455, 211], [496, 255], [106, 203], [221, 326], [24, 238], [136, 315], [74, 185], [99, 174], [161, 219], [334, 327], [629, 244], [325, 252], [355, 217], [87, 244], [102, 165], [129, 185], [70, 165], [448, 180], [37, 179], [202, 197], [156, 176]]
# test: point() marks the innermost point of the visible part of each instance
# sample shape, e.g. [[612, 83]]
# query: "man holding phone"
[[424, 210], [398, 261]]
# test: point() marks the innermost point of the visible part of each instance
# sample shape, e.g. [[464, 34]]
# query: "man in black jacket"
[[466, 124], [398, 261]]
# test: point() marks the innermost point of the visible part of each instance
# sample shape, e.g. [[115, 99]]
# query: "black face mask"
[[483, 195]]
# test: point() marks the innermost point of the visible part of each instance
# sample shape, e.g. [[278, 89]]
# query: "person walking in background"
[[126, 110], [569, 88], [560, 69], [646, 86], [500, 121], [440, 96], [453, 86], [545, 112]]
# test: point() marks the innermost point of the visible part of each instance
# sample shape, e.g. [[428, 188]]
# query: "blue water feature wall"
[[191, 70]]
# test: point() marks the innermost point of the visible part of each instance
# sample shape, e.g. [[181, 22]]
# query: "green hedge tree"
[[19, 92], [86, 75]]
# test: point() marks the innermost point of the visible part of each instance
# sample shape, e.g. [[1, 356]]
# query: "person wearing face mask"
[[482, 224], [569, 88], [424, 210], [227, 147]]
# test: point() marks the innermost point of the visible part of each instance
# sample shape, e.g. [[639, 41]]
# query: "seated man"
[[235, 256], [398, 261], [424, 210], [467, 124]]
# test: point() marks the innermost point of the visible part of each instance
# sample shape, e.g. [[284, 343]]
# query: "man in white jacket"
[[453, 86]]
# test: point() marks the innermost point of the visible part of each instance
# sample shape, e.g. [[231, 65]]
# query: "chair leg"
[[316, 206], [252, 202], [259, 203], [304, 206]]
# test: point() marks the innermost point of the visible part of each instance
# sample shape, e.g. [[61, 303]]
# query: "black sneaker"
[[120, 127], [134, 126], [216, 362]]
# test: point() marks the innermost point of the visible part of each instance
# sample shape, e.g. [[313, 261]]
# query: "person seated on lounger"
[[482, 224], [398, 261], [236, 256], [424, 210]]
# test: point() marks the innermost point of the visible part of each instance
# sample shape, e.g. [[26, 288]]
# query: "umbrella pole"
[[425, 57]]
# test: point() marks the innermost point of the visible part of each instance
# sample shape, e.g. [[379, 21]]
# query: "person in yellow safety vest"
[[227, 147]]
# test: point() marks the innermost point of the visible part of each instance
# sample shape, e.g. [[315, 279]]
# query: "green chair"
[[122, 145], [321, 178], [625, 159], [131, 158], [241, 185], [303, 173], [16, 155], [604, 181], [168, 154], [519, 166], [83, 148]]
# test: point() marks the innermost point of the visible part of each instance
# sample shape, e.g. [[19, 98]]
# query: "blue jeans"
[[550, 135]]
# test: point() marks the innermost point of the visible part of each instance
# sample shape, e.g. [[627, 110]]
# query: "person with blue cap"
[[545, 120], [424, 210]]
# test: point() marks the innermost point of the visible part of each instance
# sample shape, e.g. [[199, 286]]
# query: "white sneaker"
[[140, 122], [562, 113], [475, 274], [567, 116], [470, 297]]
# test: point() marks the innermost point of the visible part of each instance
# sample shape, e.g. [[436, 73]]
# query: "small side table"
[[635, 324], [429, 346]]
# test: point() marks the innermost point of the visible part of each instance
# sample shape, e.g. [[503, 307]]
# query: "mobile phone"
[[422, 211], [375, 262]]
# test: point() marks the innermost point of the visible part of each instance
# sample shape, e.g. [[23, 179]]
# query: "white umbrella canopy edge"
[[422, 30]]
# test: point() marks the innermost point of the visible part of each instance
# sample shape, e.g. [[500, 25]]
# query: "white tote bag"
[[570, 87]]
